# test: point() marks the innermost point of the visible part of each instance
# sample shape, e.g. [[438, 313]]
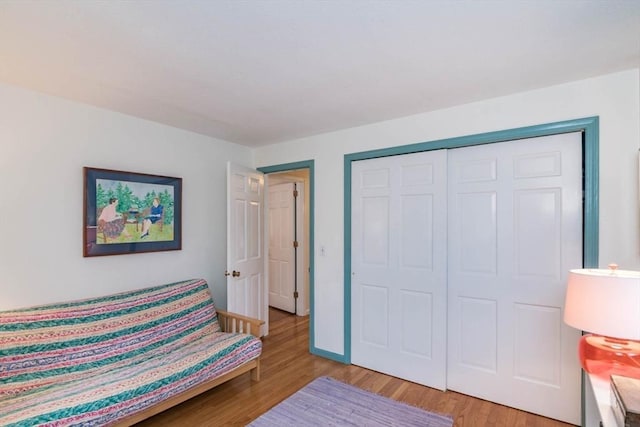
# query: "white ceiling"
[[259, 72]]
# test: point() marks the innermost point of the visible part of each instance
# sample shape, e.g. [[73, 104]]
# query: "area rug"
[[329, 402]]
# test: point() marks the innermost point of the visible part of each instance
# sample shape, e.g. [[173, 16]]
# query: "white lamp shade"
[[604, 302]]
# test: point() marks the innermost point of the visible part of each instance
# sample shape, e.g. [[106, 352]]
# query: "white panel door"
[[515, 230], [281, 250], [245, 259], [399, 266]]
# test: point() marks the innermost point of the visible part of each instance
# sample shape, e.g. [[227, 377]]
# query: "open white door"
[[245, 253]]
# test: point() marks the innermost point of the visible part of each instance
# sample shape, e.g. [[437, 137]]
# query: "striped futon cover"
[[95, 361]]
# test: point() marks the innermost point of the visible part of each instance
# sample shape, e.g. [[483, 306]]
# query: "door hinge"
[[295, 294], [295, 193], [295, 243]]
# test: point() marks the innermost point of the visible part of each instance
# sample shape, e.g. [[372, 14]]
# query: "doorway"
[[308, 166]]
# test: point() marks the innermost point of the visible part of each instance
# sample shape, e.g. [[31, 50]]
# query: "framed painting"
[[127, 212]]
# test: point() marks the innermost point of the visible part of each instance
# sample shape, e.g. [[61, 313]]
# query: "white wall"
[[615, 98], [44, 143]]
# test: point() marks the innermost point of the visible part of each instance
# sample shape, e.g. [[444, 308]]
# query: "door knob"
[[232, 274]]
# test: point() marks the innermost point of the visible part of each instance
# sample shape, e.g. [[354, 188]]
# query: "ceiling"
[[260, 72]]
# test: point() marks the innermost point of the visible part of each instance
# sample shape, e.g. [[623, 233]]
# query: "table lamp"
[[606, 304]]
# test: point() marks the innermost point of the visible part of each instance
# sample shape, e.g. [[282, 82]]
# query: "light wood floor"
[[287, 366]]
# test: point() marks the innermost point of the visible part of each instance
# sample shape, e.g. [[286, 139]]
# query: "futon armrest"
[[232, 322]]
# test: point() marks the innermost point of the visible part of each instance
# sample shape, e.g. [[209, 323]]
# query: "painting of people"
[[133, 212]]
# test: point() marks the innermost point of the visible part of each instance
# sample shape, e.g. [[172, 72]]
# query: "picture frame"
[[129, 212]]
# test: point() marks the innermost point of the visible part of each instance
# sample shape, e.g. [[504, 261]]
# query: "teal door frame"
[[589, 127], [286, 167]]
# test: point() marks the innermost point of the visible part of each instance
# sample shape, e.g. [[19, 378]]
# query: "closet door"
[[398, 264], [515, 230]]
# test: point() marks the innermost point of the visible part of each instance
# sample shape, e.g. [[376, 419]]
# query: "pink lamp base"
[[603, 356]]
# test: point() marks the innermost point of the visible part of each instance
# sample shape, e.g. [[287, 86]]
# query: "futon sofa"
[[118, 359]]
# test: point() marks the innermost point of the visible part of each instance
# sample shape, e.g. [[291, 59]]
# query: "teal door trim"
[[306, 164], [589, 127]]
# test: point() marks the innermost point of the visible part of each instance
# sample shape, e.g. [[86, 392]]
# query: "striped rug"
[[328, 402]]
